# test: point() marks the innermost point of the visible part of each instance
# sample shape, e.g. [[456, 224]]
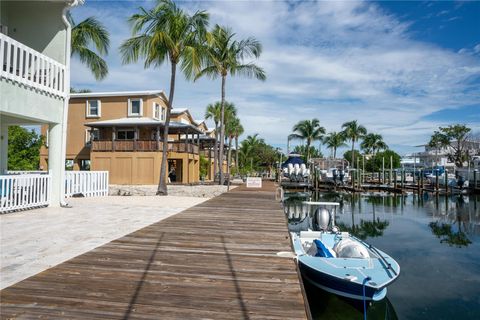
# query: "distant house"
[[121, 132], [34, 86], [431, 156]]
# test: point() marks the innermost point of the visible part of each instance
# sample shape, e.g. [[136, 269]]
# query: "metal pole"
[[391, 169], [363, 168], [446, 181]]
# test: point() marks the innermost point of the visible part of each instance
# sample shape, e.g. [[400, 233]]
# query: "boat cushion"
[[322, 251]]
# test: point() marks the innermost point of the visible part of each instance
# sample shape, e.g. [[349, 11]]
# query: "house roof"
[[178, 110], [119, 94], [175, 127]]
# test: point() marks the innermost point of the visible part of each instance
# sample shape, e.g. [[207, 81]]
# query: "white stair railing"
[[24, 191], [86, 183], [32, 68]]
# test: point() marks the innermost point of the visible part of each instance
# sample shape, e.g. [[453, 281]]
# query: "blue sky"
[[400, 68]]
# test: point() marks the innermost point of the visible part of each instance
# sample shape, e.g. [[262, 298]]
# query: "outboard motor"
[[342, 176], [322, 217]]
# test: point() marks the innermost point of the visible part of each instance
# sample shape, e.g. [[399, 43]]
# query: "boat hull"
[[342, 287]]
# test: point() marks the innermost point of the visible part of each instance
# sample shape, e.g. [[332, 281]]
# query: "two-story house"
[[121, 132], [35, 81]]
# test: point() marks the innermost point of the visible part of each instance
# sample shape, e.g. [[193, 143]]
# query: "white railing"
[[24, 191], [29, 67], [86, 183]]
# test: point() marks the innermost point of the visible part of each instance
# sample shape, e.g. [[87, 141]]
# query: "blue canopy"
[[293, 159]]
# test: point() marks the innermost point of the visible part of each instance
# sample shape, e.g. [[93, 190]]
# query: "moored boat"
[[340, 263]]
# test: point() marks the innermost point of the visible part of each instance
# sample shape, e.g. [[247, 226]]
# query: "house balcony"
[[142, 146], [30, 68]]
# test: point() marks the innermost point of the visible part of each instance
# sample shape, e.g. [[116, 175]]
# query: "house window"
[[156, 111], [93, 108], [135, 107], [84, 165], [126, 134]]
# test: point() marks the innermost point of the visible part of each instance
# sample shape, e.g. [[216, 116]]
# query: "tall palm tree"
[[225, 56], [353, 132], [308, 130], [373, 142], [213, 112], [90, 32], [162, 34], [335, 140], [231, 121]]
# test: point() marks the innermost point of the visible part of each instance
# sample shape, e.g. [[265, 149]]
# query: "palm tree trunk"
[[236, 153], [308, 149], [334, 153], [215, 153], [222, 131], [162, 184]]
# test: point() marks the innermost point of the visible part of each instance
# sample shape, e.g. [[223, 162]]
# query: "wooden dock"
[[217, 260]]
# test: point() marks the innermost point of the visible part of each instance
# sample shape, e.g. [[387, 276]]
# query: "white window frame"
[[160, 110], [130, 113], [99, 109]]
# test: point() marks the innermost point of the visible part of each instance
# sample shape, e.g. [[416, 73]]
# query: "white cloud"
[[334, 60]]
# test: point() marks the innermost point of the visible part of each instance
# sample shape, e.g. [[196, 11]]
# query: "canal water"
[[436, 241]]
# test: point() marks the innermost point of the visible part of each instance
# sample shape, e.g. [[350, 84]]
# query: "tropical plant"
[[90, 32], [23, 149], [162, 34], [375, 163], [373, 142], [353, 132], [238, 131], [334, 140], [231, 121], [233, 129], [454, 139], [213, 112], [313, 152], [225, 56], [309, 131]]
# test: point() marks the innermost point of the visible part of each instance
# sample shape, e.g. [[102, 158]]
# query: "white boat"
[[340, 263]]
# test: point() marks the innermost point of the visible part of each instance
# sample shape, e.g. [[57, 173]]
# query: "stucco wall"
[[18, 100], [23, 18]]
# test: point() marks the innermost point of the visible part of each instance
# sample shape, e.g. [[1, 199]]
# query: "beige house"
[[121, 132]]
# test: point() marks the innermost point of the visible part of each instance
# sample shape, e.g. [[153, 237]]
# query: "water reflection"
[[436, 240]]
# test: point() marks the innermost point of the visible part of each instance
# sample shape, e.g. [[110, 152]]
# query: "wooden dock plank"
[[216, 260]]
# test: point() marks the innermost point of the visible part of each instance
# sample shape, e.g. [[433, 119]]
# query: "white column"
[[3, 148], [56, 163]]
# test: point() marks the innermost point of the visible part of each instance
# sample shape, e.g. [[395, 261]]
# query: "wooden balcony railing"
[[142, 146]]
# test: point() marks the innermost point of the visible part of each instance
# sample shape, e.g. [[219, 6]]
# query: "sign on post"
[[254, 182]]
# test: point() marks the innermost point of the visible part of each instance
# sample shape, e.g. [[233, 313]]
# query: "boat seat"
[[322, 251]]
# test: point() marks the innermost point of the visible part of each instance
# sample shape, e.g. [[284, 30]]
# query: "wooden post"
[[395, 180], [475, 180], [135, 138], [383, 170], [421, 180], [446, 181], [114, 136], [391, 170], [436, 180]]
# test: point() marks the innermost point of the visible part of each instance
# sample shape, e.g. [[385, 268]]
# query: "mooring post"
[[401, 178], [395, 179], [436, 180], [446, 181], [475, 179]]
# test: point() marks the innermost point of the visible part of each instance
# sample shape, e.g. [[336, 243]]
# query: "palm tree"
[[224, 56], [213, 112], [335, 140], [353, 132], [162, 34], [231, 124], [308, 130], [247, 147], [373, 142], [85, 34]]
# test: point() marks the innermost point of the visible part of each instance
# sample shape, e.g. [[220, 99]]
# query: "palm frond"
[[95, 63]]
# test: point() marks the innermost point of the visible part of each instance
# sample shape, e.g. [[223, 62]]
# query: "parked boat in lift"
[[340, 263]]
